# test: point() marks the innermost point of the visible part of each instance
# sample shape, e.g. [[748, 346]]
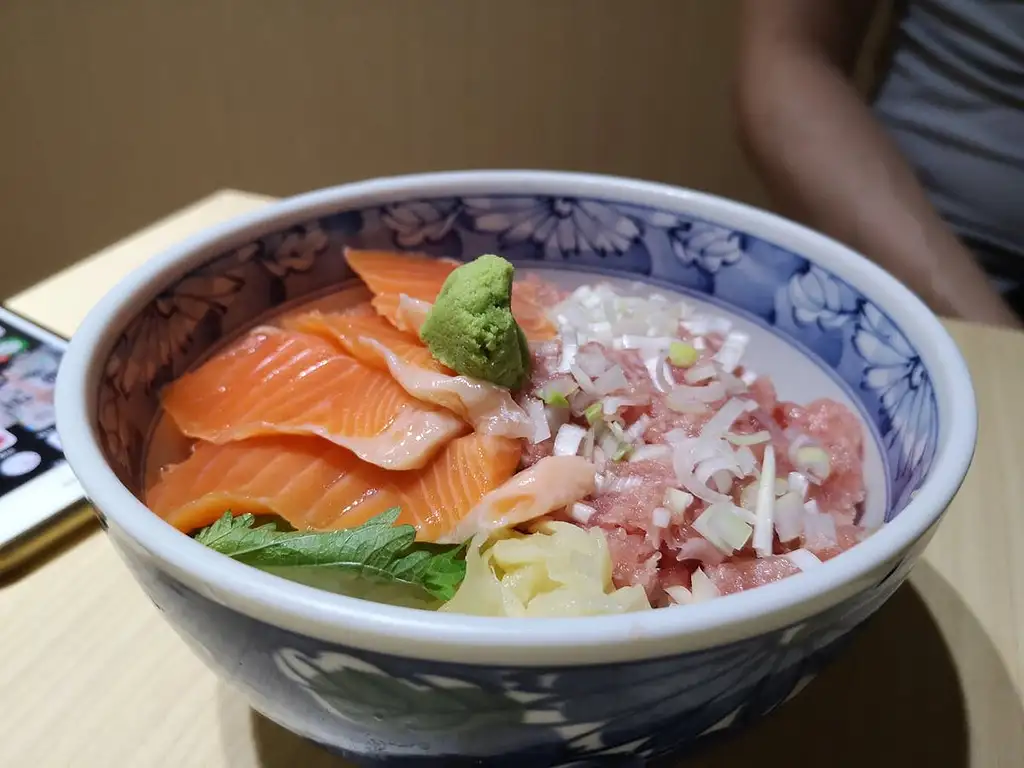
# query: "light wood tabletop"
[[92, 676]]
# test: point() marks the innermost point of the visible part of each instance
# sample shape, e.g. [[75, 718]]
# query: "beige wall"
[[114, 112]]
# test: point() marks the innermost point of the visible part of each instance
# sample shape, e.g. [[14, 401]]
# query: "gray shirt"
[[953, 100]]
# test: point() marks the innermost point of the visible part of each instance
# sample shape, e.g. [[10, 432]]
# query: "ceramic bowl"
[[407, 687]]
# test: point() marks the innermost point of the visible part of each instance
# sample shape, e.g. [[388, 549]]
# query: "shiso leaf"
[[355, 561]]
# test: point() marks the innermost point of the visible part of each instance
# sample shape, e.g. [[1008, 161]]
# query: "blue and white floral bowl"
[[386, 684]]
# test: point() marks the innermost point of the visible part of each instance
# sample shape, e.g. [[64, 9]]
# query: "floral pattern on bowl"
[[444, 715]]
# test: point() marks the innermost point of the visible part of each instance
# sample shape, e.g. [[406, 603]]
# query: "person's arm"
[[828, 163]]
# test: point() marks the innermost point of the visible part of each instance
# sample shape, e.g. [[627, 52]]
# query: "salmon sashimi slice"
[[552, 483], [489, 408], [353, 335], [350, 299], [408, 314], [402, 311], [417, 275], [285, 382], [317, 485], [531, 299], [363, 309], [390, 275]]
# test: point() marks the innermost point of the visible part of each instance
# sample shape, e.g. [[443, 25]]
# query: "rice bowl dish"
[[720, 444]]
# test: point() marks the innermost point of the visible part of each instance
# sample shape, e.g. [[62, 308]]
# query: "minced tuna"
[[679, 432]]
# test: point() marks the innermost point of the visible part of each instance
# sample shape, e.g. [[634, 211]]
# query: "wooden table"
[[91, 675]]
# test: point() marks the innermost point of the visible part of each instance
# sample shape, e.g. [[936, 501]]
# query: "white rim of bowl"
[[503, 641]]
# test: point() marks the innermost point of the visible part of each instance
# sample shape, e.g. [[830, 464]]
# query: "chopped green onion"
[[608, 444], [593, 413], [677, 500], [748, 496], [722, 525], [679, 595], [764, 525], [622, 452], [555, 398], [702, 588], [681, 354], [813, 461]]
